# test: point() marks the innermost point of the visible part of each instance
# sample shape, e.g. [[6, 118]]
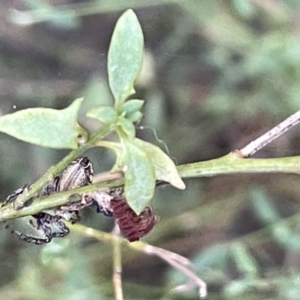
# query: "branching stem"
[[270, 135], [53, 171], [231, 163]]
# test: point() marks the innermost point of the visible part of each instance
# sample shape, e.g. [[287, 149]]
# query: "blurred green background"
[[216, 75]]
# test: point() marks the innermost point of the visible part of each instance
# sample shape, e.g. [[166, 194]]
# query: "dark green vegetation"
[[217, 74]]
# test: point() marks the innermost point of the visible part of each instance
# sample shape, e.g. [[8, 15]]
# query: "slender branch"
[[54, 170], [233, 164], [117, 263], [181, 264], [55, 200], [270, 135], [175, 260], [228, 164]]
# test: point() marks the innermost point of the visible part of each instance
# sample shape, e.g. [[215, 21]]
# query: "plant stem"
[[175, 260], [228, 164], [233, 164], [54, 170], [270, 135], [117, 264], [55, 200]]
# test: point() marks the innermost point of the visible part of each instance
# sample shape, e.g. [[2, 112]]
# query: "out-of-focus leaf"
[[165, 168], [238, 288], [45, 126], [64, 18], [263, 206], [244, 260], [139, 176], [53, 250], [285, 237], [288, 286], [212, 257], [78, 282], [268, 214], [41, 10], [244, 8], [105, 114], [125, 56]]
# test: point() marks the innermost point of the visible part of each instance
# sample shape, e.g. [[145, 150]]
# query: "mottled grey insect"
[[42, 227]]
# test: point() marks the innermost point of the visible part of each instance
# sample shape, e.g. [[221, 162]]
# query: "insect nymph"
[[42, 227]]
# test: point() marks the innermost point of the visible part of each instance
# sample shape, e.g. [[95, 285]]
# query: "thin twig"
[[8, 212], [228, 164], [183, 265], [270, 135], [117, 263], [175, 260], [53, 171]]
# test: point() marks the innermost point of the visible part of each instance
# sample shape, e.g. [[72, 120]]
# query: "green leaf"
[[125, 57], [135, 117], [45, 126], [105, 114], [238, 289], [132, 106], [142, 163], [214, 257], [127, 127], [139, 176], [165, 168]]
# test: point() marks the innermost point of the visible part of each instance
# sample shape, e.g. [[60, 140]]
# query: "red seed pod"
[[132, 226]]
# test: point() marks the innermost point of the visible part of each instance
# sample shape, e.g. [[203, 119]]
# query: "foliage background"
[[217, 74]]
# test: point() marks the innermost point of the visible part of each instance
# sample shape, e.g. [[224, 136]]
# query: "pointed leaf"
[[165, 168], [135, 117], [125, 56], [131, 106], [139, 176], [105, 114], [127, 127], [45, 126]]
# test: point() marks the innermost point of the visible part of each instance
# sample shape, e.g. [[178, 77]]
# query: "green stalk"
[[228, 164], [53, 171], [117, 264], [55, 200], [232, 164]]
